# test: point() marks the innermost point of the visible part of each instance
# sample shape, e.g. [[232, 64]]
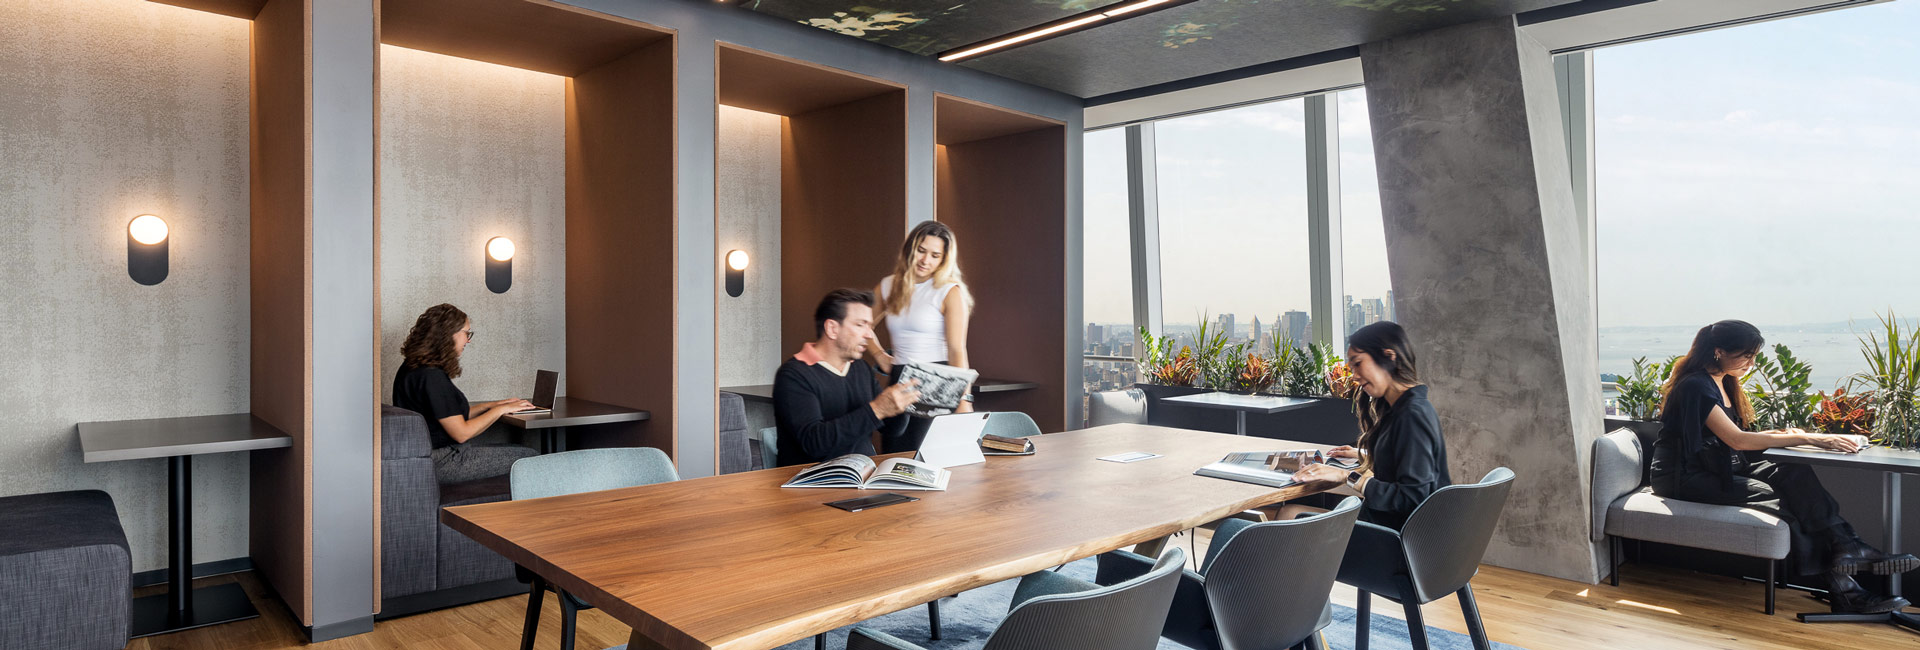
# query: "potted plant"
[[1640, 397], [1893, 379], [1843, 413], [1781, 393]]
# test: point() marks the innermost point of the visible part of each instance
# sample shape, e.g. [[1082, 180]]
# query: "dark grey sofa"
[[425, 565], [66, 571]]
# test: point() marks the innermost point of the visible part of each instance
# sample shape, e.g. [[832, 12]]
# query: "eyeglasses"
[[469, 334]]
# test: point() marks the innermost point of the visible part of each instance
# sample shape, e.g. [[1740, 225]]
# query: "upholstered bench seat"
[[66, 571], [1730, 529]]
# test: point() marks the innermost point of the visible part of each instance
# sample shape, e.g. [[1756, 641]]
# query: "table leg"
[[1240, 422], [1151, 548], [560, 439], [640, 641], [184, 607], [1892, 517]]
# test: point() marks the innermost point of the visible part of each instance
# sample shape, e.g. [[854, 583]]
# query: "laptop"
[[545, 383]]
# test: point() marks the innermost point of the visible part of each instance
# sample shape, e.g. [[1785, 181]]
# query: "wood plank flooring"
[[1654, 608]]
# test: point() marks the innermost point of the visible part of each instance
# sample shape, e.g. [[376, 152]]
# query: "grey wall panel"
[[344, 366], [110, 110], [747, 217], [470, 151]]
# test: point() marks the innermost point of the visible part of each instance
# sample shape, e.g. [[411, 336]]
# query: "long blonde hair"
[[900, 294]]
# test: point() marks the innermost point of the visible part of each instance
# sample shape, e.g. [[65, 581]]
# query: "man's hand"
[[896, 399]]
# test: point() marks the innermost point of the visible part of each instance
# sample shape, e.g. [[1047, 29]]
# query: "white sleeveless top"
[[920, 334]]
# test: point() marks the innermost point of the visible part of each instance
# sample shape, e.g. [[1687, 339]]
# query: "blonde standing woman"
[[925, 303]]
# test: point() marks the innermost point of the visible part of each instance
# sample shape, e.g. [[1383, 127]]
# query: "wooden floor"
[[1654, 608]]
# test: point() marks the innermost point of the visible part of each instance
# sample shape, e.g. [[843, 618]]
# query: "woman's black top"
[[1686, 446], [1409, 460], [430, 392]]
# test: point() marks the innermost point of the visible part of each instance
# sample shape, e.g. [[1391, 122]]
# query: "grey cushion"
[[67, 572], [1117, 407], [735, 453], [403, 434], [1730, 529], [1617, 463]]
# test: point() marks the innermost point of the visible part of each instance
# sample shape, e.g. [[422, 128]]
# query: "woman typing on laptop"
[[424, 385]]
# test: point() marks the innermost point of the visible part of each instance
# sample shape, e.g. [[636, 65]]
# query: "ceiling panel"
[[923, 26]]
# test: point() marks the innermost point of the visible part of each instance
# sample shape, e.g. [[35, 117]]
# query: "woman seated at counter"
[[424, 385]]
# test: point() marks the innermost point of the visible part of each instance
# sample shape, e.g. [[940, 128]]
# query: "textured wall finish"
[[471, 151], [1488, 270], [111, 109], [748, 218]]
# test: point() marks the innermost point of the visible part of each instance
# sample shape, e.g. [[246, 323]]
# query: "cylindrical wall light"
[[736, 272], [499, 264], [147, 249]]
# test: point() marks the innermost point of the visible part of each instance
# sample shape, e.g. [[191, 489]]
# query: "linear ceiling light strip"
[[1062, 27]]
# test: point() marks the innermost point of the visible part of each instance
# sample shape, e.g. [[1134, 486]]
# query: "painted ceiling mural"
[[1184, 41]]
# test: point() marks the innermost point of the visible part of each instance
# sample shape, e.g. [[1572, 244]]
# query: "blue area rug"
[[967, 621]]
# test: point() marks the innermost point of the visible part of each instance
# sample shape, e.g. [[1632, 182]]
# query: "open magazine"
[[1858, 439], [1269, 468], [941, 387], [860, 472]]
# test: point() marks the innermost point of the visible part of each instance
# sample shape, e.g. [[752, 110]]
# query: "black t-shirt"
[[428, 391], [1409, 460], [822, 415], [1686, 446]]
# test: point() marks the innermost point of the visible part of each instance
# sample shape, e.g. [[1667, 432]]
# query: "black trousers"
[[1790, 491]]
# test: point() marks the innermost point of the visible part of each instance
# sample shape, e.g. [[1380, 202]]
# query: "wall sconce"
[[736, 272], [147, 249], [499, 264]]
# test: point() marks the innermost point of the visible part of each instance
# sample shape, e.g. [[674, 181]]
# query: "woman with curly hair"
[[424, 385]]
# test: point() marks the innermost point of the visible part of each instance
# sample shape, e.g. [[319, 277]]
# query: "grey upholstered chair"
[[1262, 585], [733, 446], [1056, 612], [1012, 424], [1624, 507], [1435, 554], [573, 472], [1117, 407], [67, 570]]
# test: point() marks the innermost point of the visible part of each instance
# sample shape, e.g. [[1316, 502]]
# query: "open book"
[[1861, 440], [860, 472], [1269, 468]]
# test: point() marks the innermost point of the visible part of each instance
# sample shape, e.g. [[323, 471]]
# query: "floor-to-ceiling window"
[[1368, 293], [1107, 301], [1738, 179], [1233, 220]]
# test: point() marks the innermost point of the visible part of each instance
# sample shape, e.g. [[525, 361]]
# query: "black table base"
[[208, 606], [183, 607], [1901, 619]]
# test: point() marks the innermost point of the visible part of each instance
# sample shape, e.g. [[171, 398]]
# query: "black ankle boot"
[[1852, 556], [1848, 597]]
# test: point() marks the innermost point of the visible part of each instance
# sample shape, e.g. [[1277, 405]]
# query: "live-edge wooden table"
[[735, 562]]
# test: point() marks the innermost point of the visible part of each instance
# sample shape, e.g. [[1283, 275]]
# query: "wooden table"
[[764, 392], [178, 440], [571, 412], [1892, 463], [735, 562], [1241, 405]]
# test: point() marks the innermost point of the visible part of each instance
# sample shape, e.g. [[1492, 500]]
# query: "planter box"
[[1329, 421]]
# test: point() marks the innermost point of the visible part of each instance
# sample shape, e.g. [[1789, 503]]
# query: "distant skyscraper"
[[1295, 325], [1226, 324], [1373, 310], [1096, 334], [1390, 306], [1256, 330], [1354, 316]]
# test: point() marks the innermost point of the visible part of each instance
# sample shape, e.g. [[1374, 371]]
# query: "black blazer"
[[1409, 460]]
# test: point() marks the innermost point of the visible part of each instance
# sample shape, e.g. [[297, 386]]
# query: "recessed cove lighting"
[[1060, 27]]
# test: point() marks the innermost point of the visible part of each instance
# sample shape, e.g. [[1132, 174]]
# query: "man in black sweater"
[[827, 402]]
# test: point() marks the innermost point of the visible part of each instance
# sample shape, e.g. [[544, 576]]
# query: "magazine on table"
[[1858, 439], [860, 472], [1269, 468]]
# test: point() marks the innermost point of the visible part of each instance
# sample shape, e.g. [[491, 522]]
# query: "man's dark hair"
[[834, 307]]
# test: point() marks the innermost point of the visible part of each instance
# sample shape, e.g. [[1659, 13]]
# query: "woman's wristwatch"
[[1353, 479]]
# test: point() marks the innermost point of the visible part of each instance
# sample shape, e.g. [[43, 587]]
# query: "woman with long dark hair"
[[424, 385], [1402, 456], [1704, 415]]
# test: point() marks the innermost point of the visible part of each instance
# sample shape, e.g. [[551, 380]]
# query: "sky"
[[1765, 172]]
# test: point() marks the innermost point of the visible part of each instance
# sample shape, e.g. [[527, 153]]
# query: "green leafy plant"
[[1893, 374], [1782, 395], [1306, 374], [1640, 392], [1216, 357], [1155, 356]]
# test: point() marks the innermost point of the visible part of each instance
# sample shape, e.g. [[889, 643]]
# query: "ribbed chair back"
[[1124, 616], [1268, 589], [1012, 424], [1446, 537], [589, 470]]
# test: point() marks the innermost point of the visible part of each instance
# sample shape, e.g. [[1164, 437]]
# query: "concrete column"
[[1487, 256]]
